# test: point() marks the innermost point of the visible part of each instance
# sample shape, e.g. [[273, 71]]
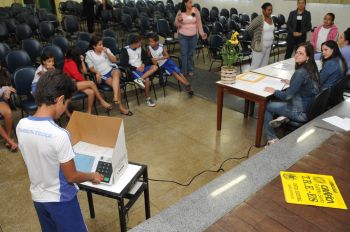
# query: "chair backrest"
[[217, 28], [22, 80], [213, 15], [337, 91], [70, 23], [82, 46], [57, 53], [319, 104], [23, 31], [11, 25], [109, 33], [33, 47], [33, 22], [111, 43], [253, 15], [163, 28], [233, 11], [4, 50], [17, 59], [215, 43], [233, 26], [61, 42], [4, 34], [46, 30], [224, 12], [82, 35]]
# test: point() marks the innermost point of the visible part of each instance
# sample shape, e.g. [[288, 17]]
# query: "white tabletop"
[[283, 69], [257, 87], [120, 184]]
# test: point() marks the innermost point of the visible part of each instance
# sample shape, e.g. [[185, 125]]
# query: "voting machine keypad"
[[105, 169]]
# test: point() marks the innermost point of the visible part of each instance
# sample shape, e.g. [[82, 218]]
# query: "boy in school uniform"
[[160, 57], [48, 154], [137, 59]]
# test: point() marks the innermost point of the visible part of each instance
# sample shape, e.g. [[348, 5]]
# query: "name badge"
[[299, 17]]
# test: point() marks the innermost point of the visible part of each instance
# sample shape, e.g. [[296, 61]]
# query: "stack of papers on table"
[[343, 123]]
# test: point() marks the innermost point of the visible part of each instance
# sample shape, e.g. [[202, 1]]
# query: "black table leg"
[[146, 194], [91, 204], [122, 213]]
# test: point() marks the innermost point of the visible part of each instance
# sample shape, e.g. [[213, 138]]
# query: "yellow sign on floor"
[[311, 189]]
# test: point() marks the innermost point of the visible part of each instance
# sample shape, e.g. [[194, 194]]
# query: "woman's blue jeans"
[[187, 47], [280, 109]]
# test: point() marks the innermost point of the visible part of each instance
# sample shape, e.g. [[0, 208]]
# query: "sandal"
[[129, 113]]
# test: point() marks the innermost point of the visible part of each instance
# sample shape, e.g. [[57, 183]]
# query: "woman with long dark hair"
[[333, 64], [296, 100], [188, 22], [102, 63], [74, 67]]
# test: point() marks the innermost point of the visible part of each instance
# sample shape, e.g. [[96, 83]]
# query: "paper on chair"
[[339, 122]]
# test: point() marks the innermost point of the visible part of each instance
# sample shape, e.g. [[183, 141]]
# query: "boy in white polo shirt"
[[140, 64], [47, 152]]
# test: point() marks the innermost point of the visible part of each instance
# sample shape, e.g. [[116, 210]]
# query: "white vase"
[[228, 74]]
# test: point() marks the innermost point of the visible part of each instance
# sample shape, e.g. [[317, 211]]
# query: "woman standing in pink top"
[[188, 23]]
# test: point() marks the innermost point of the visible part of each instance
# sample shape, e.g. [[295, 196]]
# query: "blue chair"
[[17, 59], [4, 50], [61, 42], [82, 46], [33, 47], [23, 78], [111, 43]]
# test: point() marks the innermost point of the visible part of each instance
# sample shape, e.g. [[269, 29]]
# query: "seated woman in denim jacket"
[[296, 100], [333, 64]]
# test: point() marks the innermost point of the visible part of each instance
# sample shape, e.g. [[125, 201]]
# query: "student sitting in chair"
[[101, 62], [5, 111], [134, 57], [47, 64], [48, 154], [161, 58], [73, 67], [333, 64], [296, 100]]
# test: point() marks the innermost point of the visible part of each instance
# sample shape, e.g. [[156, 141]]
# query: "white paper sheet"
[[339, 122], [92, 149]]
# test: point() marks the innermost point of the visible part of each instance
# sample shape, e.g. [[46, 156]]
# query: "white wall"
[[318, 10]]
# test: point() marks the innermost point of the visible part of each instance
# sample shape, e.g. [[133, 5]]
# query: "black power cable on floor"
[[211, 171]]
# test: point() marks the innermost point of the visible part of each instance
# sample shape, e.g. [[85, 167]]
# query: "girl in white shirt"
[[101, 62]]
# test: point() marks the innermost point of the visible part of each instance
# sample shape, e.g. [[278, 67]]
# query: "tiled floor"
[[176, 139]]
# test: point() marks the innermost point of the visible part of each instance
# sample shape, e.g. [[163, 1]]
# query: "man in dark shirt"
[[89, 12], [298, 24]]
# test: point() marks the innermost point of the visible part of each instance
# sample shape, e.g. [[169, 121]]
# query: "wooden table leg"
[[220, 99], [251, 108], [259, 127]]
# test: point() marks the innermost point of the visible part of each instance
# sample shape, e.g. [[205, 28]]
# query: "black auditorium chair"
[[22, 80], [33, 47], [61, 42], [82, 35], [17, 59], [215, 43], [46, 31], [111, 43], [4, 50], [4, 34], [82, 46]]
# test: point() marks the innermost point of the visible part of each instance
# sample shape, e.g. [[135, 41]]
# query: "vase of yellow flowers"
[[230, 54]]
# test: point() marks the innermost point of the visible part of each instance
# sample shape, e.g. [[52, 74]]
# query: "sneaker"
[[278, 121], [270, 142], [149, 102], [139, 82], [189, 90]]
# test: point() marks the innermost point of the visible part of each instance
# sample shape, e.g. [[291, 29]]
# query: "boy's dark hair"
[[51, 85], [133, 38], [46, 55], [332, 15], [94, 41], [154, 36]]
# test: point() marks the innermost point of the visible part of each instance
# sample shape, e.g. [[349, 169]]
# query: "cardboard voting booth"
[[98, 138]]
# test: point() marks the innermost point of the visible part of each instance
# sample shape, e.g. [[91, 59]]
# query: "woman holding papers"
[[333, 64], [262, 32], [296, 100]]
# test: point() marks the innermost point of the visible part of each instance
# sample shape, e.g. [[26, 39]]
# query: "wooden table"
[[251, 92], [268, 211]]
